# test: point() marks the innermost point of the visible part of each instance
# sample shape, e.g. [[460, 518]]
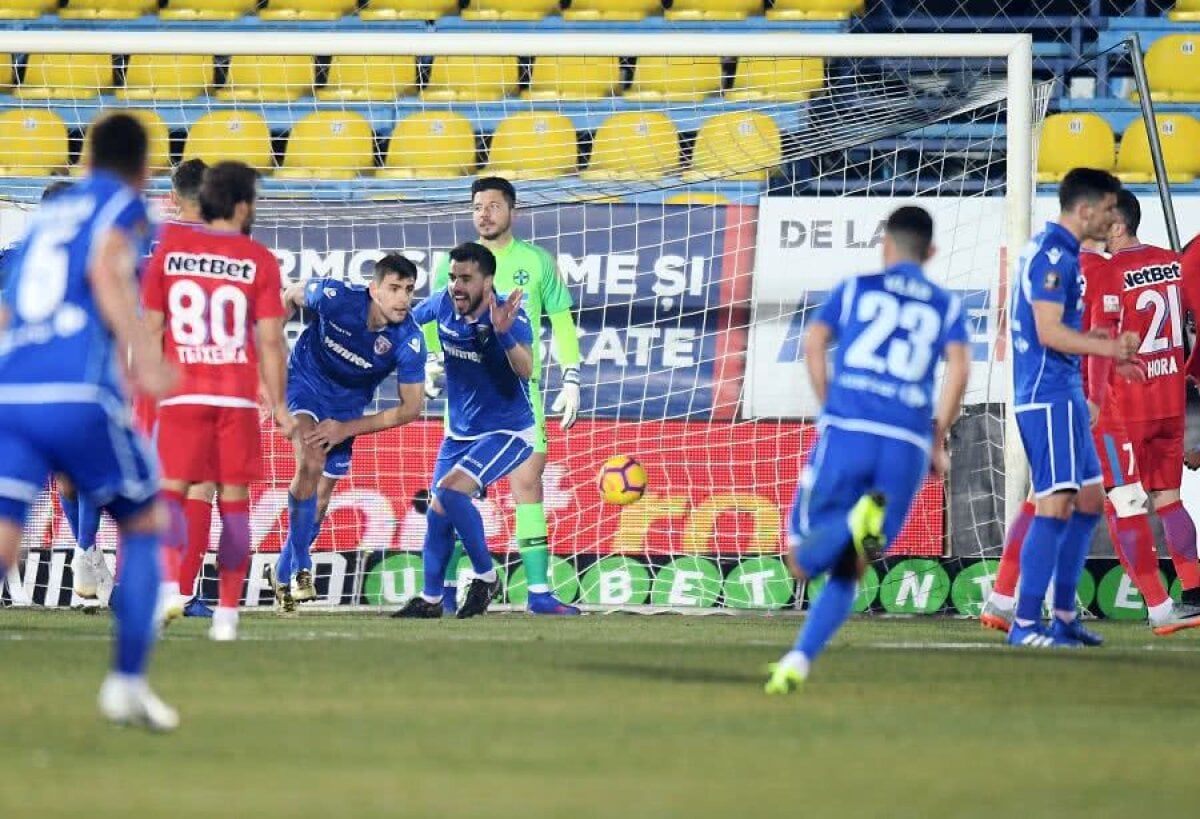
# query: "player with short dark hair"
[[212, 298], [522, 264], [879, 431], [68, 326], [358, 337], [1053, 416], [490, 425]]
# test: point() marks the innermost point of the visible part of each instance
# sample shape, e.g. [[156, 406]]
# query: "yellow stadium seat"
[[1179, 135], [674, 79], [697, 199], [1173, 68], [431, 144], [471, 79], [1185, 11], [66, 76], [307, 9], [789, 79], [240, 135], [509, 9], [107, 9], [166, 77], [742, 145], [574, 78], [207, 9], [1074, 140], [158, 148], [711, 9], [815, 9], [35, 143], [634, 146], [408, 9], [329, 145], [268, 79], [533, 145], [619, 11], [7, 74], [370, 79], [26, 9]]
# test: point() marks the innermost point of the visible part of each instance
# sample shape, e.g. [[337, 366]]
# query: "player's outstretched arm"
[[294, 298], [816, 348], [272, 370], [1054, 334], [114, 288], [329, 433]]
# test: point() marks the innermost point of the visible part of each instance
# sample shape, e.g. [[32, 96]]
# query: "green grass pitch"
[[355, 715]]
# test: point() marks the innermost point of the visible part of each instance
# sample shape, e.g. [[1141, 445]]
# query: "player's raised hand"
[[504, 315], [1191, 459], [326, 435]]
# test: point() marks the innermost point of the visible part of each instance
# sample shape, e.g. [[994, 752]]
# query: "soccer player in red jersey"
[[213, 295], [1149, 284]]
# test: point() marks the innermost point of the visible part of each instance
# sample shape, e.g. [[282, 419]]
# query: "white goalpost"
[[700, 193]]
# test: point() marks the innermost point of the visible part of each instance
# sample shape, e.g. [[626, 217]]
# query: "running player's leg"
[[839, 473], [197, 511], [91, 578], [119, 469]]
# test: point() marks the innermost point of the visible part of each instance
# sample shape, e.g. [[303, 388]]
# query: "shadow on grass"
[[644, 671]]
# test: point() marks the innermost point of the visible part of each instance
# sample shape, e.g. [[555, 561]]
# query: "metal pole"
[[1160, 169]]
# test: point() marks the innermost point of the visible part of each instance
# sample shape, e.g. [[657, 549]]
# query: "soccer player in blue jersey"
[[357, 338], [1054, 417], [69, 325], [490, 426], [878, 428]]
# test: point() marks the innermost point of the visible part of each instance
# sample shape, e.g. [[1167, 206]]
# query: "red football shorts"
[[1158, 447], [198, 443]]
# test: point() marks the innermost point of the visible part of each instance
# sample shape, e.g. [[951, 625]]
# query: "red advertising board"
[[714, 488]]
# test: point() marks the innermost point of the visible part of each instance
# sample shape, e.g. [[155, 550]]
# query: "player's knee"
[[1128, 501]]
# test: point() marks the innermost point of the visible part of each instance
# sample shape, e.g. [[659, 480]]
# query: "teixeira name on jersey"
[[209, 265], [1152, 274]]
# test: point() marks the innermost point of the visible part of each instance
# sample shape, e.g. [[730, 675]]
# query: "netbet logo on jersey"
[[210, 266], [1154, 274]]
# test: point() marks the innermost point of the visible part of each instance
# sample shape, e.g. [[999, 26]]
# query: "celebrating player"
[[1052, 413], [877, 424], [212, 300], [524, 265], [69, 326], [357, 338], [490, 424]]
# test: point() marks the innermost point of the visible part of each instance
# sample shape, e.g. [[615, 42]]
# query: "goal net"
[[701, 195]]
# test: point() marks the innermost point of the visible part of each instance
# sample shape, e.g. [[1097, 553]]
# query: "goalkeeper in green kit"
[[520, 264]]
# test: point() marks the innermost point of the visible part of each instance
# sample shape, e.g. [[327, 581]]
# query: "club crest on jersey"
[[1052, 281], [1112, 304], [382, 345], [483, 334], [521, 277], [330, 292]]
